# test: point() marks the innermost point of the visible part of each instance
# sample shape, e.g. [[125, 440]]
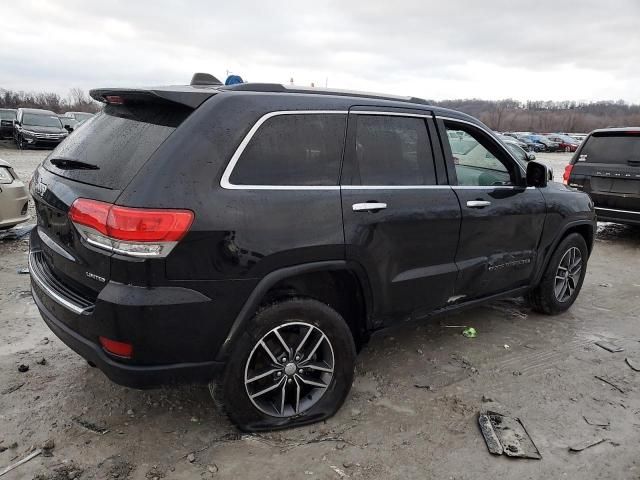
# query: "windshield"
[[41, 120], [7, 115], [611, 148]]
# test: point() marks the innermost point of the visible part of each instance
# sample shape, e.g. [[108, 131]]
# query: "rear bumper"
[[135, 376], [628, 217]]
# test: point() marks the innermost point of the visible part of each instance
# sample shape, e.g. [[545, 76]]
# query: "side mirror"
[[537, 175], [68, 128], [531, 156]]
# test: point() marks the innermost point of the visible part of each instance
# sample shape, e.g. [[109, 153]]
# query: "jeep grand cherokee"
[[252, 236]]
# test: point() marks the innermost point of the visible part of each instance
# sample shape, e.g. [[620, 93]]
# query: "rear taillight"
[[567, 174], [138, 232]]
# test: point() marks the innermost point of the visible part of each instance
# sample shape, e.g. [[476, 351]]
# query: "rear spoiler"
[[191, 96]]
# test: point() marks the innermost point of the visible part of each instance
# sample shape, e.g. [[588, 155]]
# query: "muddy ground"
[[541, 369]]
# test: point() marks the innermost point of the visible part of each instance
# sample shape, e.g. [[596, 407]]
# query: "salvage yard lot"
[[412, 411]]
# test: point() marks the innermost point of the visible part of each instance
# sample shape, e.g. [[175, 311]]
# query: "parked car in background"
[[38, 128], [579, 137], [7, 119], [549, 146], [520, 153], [14, 197], [328, 215], [79, 116], [531, 145], [607, 167], [565, 142], [514, 140], [68, 123]]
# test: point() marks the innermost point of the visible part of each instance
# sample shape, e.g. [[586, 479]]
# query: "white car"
[[14, 197]]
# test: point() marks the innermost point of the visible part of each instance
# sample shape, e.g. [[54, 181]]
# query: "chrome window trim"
[[225, 182], [390, 114]]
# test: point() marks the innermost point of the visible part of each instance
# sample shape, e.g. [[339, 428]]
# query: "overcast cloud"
[[577, 50]]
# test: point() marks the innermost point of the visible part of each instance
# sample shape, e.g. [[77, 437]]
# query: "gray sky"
[[561, 49]]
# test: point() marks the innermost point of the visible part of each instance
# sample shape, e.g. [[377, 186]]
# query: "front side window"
[[475, 158], [390, 151], [293, 150]]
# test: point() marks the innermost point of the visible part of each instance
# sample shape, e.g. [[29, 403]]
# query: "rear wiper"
[[71, 164]]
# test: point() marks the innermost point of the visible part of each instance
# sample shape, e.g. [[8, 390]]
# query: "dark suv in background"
[[252, 236], [35, 127], [607, 167], [7, 118]]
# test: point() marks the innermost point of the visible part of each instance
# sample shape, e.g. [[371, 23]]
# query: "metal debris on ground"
[[23, 271], [579, 447], [507, 435], [16, 233], [635, 366], [470, 332], [597, 422], [32, 455], [609, 347], [339, 471], [611, 383]]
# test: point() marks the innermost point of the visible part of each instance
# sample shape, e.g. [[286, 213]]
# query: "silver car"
[[14, 197]]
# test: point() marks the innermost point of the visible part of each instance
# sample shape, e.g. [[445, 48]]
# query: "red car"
[[567, 143]]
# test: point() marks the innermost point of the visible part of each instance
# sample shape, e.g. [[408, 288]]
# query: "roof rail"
[[201, 78], [277, 87]]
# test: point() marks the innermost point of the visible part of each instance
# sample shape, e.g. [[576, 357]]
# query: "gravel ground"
[[541, 369]]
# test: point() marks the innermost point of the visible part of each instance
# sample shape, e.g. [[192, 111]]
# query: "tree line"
[[76, 101], [548, 116]]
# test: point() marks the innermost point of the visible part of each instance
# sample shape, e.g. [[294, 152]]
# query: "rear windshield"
[[114, 144], [611, 148]]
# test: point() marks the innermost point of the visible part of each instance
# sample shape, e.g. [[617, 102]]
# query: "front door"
[[501, 218], [401, 220]]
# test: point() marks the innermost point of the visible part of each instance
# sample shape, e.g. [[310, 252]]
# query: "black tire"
[[231, 394], [543, 298]]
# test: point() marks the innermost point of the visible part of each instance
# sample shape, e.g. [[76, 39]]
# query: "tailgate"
[[58, 254]]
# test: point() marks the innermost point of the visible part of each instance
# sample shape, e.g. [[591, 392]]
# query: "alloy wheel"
[[568, 274], [289, 369]]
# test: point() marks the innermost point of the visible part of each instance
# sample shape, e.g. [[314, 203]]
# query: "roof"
[[194, 95], [617, 130], [37, 111]]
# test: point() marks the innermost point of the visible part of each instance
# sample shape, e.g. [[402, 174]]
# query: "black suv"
[[252, 236], [607, 166], [35, 127]]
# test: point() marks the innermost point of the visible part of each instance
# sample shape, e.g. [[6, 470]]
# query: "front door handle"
[[368, 206], [478, 203]]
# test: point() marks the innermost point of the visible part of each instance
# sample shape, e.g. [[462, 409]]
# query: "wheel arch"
[[335, 283], [585, 228]]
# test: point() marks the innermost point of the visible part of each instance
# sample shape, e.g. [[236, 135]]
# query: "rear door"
[[401, 220], [608, 168], [502, 219]]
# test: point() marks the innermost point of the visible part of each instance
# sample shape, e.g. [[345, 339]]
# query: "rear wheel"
[[563, 277], [293, 366]]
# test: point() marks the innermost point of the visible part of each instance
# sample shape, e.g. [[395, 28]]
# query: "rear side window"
[[611, 148], [293, 150], [390, 151], [117, 142]]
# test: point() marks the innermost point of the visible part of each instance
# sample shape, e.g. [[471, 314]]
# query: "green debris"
[[470, 332]]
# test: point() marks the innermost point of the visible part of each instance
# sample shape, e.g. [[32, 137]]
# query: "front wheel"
[[293, 366], [563, 277]]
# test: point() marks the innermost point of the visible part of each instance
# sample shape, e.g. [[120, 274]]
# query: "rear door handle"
[[368, 206], [478, 203]]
